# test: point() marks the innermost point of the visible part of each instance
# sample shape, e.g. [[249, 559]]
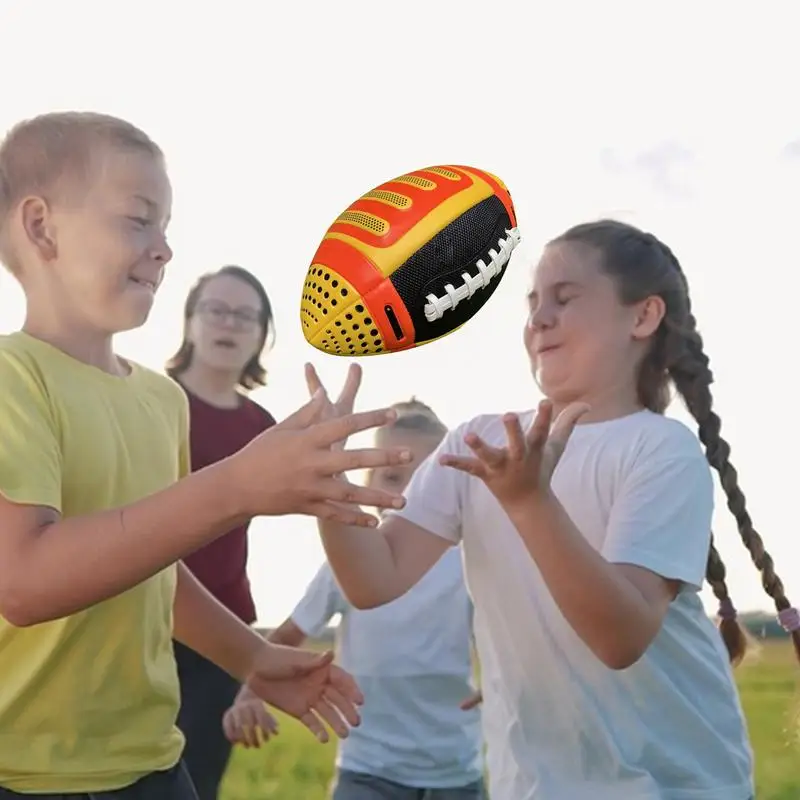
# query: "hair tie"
[[726, 609], [789, 619]]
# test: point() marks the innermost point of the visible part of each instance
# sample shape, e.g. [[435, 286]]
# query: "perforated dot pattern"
[[394, 199], [335, 318], [368, 222], [415, 180], [445, 173]]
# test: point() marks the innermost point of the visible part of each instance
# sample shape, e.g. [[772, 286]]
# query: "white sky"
[[274, 118]]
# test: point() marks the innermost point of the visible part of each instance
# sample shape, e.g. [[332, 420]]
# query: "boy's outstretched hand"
[[295, 467], [473, 701], [247, 722], [306, 685]]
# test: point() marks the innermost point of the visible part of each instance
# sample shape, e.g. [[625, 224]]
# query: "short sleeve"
[[435, 494], [30, 451], [661, 517], [185, 443], [322, 601]]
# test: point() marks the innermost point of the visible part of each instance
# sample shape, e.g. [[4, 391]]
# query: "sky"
[[275, 117]]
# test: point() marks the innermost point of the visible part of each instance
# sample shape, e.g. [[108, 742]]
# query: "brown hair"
[[254, 374], [53, 153], [642, 266]]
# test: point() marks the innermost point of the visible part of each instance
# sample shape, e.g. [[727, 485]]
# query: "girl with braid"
[[586, 541]]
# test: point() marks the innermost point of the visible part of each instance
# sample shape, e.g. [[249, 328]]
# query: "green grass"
[[295, 767]]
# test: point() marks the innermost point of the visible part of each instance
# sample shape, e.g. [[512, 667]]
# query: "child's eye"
[[140, 221]]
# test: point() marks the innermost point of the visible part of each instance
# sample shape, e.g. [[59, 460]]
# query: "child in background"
[[586, 543], [96, 501], [420, 736]]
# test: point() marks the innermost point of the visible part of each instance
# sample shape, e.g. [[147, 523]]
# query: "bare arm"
[[375, 567], [202, 623], [52, 567], [287, 634], [617, 609]]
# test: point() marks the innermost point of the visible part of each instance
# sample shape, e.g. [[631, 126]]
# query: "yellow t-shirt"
[[89, 702]]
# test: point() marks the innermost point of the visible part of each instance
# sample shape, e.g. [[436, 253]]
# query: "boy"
[[411, 659], [96, 500]]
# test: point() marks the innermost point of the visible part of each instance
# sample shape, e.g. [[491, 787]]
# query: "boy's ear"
[[38, 226]]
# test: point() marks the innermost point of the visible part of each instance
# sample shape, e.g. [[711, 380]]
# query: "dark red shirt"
[[217, 433]]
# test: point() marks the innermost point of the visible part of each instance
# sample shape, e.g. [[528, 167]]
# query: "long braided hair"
[[642, 266]]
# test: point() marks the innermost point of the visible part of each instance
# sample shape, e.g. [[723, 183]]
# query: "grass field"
[[295, 767]]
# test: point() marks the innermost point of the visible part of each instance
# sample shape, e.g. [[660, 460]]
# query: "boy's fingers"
[[336, 430], [347, 399], [346, 702], [266, 721], [335, 462], [228, 727], [313, 381], [353, 494], [334, 719], [344, 515], [472, 701], [313, 723], [306, 415]]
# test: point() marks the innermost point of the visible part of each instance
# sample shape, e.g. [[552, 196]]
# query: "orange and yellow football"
[[409, 262]]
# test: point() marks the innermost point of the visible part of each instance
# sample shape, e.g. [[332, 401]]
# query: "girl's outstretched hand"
[[523, 468]]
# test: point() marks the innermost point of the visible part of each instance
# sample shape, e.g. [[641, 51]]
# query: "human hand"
[[309, 687], [524, 467], [473, 701], [344, 404], [247, 722], [292, 469]]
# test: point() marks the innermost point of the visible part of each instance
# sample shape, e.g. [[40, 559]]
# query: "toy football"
[[409, 262]]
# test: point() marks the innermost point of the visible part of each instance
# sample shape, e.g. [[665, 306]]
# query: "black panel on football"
[[452, 252]]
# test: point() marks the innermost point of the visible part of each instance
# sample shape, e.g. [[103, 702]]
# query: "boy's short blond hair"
[[418, 417], [42, 155]]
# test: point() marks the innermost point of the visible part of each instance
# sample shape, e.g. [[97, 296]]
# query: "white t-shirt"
[[412, 660], [559, 725]]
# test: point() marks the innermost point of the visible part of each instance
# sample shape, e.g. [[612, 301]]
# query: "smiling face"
[[101, 254], [226, 328], [582, 341]]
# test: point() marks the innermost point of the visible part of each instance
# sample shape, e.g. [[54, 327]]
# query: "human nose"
[[542, 317], [160, 250]]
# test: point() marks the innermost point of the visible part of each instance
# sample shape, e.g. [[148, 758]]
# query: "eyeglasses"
[[218, 314]]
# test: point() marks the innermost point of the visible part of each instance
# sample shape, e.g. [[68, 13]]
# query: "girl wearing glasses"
[[228, 324]]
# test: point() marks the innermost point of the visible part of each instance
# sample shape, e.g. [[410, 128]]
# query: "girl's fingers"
[[472, 466], [491, 456], [562, 430], [539, 430], [515, 437]]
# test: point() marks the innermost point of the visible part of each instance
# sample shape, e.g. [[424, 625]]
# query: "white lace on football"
[[436, 306]]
